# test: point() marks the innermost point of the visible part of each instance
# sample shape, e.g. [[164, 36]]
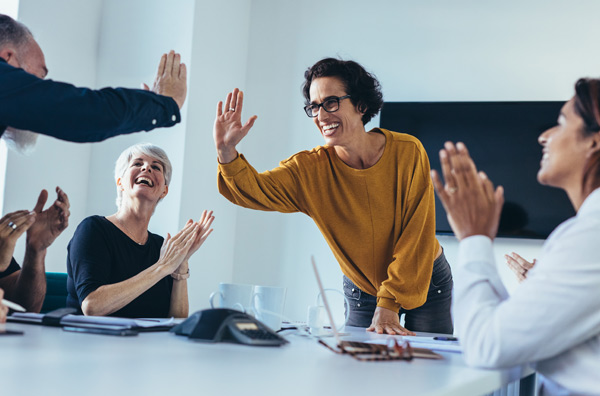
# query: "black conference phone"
[[228, 325]]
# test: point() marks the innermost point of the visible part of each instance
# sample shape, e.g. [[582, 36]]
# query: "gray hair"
[[148, 149], [13, 32]]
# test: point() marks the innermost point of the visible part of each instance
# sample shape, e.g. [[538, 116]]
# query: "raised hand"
[[228, 130], [12, 226], [472, 205], [171, 78], [49, 223], [519, 265]]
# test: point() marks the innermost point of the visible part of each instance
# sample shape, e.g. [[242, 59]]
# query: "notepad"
[[148, 324]]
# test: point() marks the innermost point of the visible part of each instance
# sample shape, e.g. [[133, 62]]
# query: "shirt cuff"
[[475, 248], [234, 167], [388, 303]]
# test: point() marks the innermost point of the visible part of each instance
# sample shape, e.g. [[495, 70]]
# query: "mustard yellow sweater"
[[379, 222]]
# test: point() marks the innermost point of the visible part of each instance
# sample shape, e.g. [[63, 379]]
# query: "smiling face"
[[566, 150], [143, 179], [338, 128]]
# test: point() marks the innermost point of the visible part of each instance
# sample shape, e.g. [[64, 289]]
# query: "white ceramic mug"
[[317, 317], [233, 296], [268, 302]]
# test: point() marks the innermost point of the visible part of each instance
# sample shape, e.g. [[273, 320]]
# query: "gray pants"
[[433, 316]]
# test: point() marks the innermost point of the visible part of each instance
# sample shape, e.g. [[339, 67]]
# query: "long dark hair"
[[587, 106]]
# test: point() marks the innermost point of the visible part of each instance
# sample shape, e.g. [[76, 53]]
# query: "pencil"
[[13, 306]]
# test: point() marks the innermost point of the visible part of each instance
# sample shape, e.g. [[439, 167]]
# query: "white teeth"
[[141, 180], [330, 126]]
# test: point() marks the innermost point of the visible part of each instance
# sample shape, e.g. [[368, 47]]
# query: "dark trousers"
[[432, 317]]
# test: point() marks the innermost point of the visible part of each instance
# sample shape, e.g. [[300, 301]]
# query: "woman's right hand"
[[519, 265], [175, 249], [12, 226], [228, 130]]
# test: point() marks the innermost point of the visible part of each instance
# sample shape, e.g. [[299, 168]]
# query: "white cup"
[[268, 302], [234, 296], [316, 319]]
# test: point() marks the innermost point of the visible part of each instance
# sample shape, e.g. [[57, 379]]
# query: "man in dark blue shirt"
[[29, 104]]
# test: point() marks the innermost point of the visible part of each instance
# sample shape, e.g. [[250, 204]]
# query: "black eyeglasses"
[[330, 105]]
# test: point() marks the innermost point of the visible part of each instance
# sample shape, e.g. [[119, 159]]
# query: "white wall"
[[434, 50]]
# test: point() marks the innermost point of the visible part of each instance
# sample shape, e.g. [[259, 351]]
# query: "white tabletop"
[[50, 361]]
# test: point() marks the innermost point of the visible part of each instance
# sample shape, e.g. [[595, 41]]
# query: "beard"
[[20, 140]]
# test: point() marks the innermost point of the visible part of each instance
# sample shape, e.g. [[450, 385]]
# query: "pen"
[[445, 338], [13, 306]]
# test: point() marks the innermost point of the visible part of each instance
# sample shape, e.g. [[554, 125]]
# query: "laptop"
[[373, 351]]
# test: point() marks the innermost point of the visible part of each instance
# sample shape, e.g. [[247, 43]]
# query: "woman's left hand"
[[202, 233], [472, 205], [386, 321]]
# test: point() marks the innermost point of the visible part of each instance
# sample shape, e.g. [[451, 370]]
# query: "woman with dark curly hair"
[[368, 192]]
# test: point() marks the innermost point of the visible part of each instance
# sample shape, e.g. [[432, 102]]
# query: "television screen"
[[502, 139]]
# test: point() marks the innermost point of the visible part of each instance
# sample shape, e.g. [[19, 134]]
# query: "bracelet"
[[178, 276]]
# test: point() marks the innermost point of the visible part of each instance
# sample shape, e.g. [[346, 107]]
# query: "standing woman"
[[115, 265], [368, 192], [553, 318]]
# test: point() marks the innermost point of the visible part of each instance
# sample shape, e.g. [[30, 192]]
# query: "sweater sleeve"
[[409, 273], [274, 190], [79, 114]]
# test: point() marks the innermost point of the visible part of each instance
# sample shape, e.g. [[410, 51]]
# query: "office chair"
[[56, 291]]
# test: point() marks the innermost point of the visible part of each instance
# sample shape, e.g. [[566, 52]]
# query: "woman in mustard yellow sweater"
[[369, 193]]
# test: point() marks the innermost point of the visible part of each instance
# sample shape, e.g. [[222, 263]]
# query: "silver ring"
[[12, 225], [452, 190], [232, 109]]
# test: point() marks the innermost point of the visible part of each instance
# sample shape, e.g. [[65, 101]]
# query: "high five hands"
[[472, 204], [171, 78], [228, 130]]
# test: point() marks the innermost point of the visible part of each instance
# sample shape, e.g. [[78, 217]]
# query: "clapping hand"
[[12, 226], [48, 223], [472, 205], [203, 231], [228, 129], [171, 78]]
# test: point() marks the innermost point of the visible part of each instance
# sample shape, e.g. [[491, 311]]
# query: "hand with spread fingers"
[[12, 226], [386, 321], [472, 204], [49, 223], [519, 265], [228, 129], [171, 78]]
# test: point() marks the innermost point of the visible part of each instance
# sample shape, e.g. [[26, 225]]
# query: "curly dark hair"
[[587, 106], [362, 86]]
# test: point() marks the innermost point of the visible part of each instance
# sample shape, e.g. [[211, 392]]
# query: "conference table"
[[50, 361]]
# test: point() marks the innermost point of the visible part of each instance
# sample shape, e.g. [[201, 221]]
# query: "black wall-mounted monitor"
[[502, 139]]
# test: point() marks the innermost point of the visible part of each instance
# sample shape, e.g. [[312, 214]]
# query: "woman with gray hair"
[[115, 265]]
